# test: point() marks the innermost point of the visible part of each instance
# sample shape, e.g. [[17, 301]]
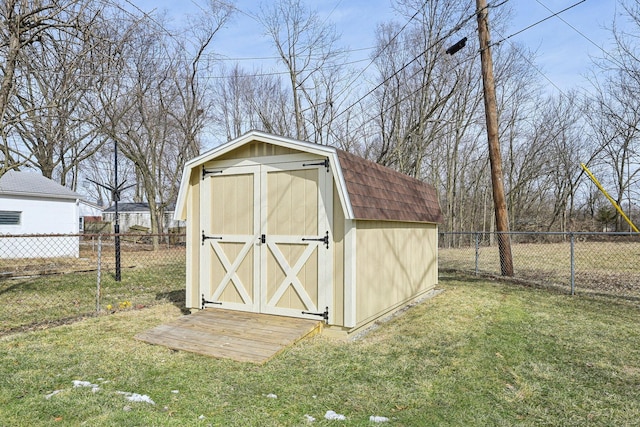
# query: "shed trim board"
[[350, 273], [271, 229]]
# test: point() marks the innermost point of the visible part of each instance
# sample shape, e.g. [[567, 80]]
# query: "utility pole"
[[491, 114]]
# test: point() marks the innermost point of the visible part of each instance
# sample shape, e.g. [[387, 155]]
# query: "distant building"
[[32, 204], [138, 214], [89, 212]]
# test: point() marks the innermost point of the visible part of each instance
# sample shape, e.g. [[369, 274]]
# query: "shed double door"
[[265, 238]]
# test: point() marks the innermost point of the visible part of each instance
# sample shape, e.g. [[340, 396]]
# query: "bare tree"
[[307, 47], [190, 90], [50, 106], [615, 109], [154, 104], [28, 25], [248, 101], [417, 81]]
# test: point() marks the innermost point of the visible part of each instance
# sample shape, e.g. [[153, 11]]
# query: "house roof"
[[31, 184], [366, 190], [134, 207]]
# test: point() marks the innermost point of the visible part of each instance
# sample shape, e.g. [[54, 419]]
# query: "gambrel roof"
[[379, 193], [32, 184], [367, 190]]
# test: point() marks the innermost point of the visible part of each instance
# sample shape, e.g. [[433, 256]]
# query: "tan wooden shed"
[[292, 228]]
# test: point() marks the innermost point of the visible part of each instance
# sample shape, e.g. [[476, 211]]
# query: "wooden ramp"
[[237, 335]]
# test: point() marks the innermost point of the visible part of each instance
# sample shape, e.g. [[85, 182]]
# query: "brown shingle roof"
[[380, 193]]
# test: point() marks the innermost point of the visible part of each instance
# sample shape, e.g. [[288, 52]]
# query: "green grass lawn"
[[37, 301], [480, 353]]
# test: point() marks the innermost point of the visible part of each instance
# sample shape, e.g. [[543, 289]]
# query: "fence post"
[[573, 272], [98, 275], [477, 237]]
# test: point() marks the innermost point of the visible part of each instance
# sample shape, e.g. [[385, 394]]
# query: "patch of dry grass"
[[600, 267]]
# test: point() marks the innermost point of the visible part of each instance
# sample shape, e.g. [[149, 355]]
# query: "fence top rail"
[[547, 233]]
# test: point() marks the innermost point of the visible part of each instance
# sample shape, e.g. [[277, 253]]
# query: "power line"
[[331, 13], [537, 23], [272, 58], [434, 44], [535, 67], [377, 55], [614, 59], [497, 5], [406, 96], [280, 73], [553, 14]]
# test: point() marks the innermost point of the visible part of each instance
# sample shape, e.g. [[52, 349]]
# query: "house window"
[[10, 217]]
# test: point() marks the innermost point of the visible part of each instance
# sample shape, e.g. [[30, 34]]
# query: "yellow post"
[[613, 202]]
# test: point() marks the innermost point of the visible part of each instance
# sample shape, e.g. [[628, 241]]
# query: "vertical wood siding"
[[395, 262]]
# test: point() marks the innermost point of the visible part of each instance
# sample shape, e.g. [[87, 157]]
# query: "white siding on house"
[[89, 209], [40, 216], [128, 219]]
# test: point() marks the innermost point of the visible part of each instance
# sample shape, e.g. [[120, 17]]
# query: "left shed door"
[[230, 225]]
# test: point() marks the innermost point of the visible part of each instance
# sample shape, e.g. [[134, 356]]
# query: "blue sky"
[[562, 53]]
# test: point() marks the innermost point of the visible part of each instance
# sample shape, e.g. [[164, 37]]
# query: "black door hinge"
[[324, 239], [205, 237], [324, 315], [204, 302], [324, 163], [206, 172]]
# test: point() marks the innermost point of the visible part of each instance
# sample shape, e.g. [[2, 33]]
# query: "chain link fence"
[[53, 279], [595, 263]]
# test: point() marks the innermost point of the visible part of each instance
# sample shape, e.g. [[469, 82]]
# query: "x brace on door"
[[291, 275], [231, 269]]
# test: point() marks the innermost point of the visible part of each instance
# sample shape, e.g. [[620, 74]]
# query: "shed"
[[31, 204], [292, 228]]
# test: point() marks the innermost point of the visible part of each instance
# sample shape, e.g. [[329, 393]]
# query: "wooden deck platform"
[[241, 336]]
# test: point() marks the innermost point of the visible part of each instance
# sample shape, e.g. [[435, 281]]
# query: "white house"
[[31, 204], [130, 214]]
